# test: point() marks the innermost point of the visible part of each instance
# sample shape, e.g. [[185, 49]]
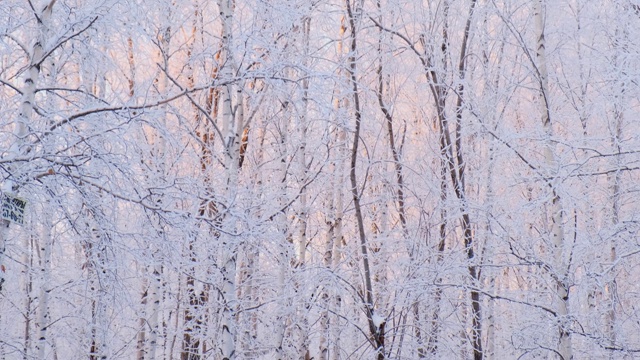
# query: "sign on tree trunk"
[[13, 208]]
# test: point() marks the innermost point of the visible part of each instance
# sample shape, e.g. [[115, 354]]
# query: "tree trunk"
[[95, 252], [561, 268], [27, 258], [302, 344], [45, 283], [21, 127], [376, 322], [454, 162], [233, 124], [284, 236], [615, 179], [18, 148]]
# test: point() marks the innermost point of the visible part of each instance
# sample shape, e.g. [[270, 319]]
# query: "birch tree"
[[556, 208]]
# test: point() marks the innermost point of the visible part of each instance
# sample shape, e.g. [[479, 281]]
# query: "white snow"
[[377, 320]]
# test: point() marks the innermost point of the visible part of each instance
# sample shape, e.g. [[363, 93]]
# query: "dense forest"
[[319, 179]]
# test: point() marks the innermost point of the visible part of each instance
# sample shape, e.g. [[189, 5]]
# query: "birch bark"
[[45, 278], [160, 145], [338, 241], [95, 249], [22, 125], [27, 259], [302, 211], [330, 345], [340, 104], [193, 342], [615, 182], [284, 236], [233, 124], [19, 147], [557, 223]]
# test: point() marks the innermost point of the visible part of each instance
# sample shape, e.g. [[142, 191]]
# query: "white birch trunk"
[[302, 344], [557, 222], [489, 254], [614, 182], [21, 126], [301, 226], [340, 104], [160, 152], [95, 251], [232, 120], [283, 236], [329, 346], [302, 327], [154, 328], [45, 219], [142, 321], [144, 294], [20, 132], [330, 220], [610, 290], [45, 276], [301, 247], [249, 320], [27, 259], [338, 241], [491, 275]]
